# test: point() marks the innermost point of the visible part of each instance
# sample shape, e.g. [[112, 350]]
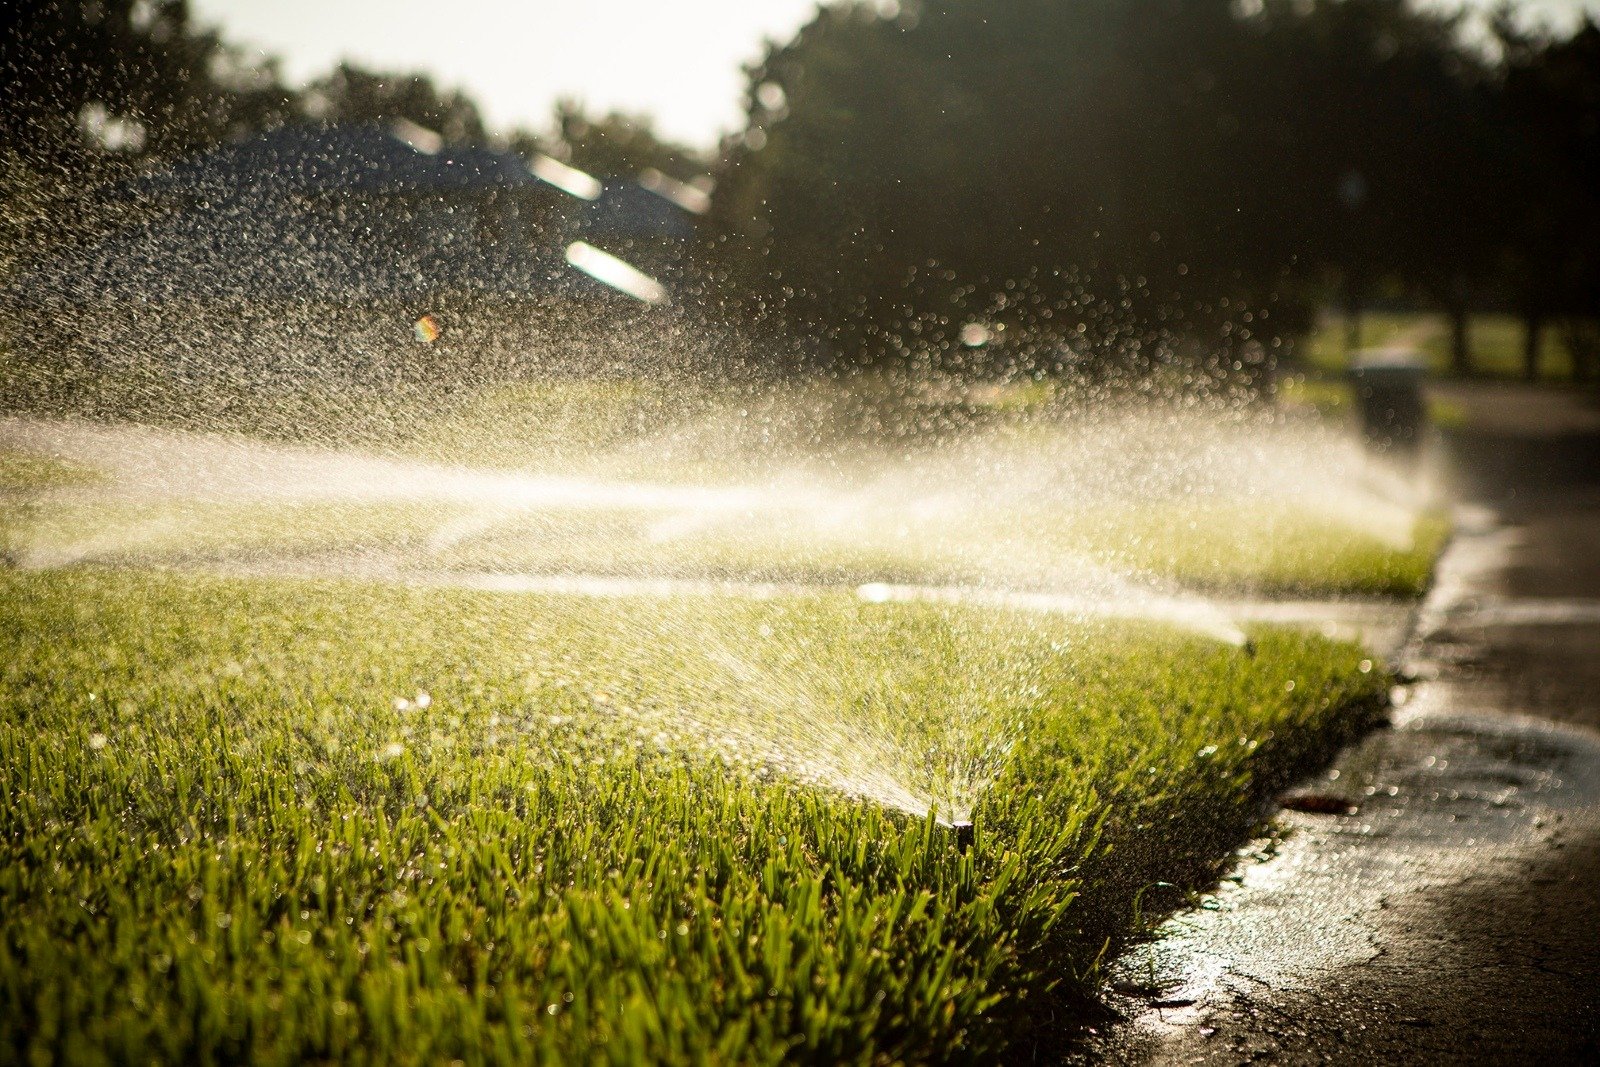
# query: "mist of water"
[[279, 381], [1005, 517]]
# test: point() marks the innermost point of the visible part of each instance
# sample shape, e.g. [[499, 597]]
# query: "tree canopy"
[[909, 167], [1078, 179]]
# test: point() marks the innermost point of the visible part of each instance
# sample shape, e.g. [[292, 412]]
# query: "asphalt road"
[[1454, 916]]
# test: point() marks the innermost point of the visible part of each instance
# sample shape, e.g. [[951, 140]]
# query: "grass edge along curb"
[[214, 852]]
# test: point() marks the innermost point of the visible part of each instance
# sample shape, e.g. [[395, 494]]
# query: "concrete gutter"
[[1454, 915]]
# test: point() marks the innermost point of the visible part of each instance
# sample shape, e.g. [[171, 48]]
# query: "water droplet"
[[426, 329]]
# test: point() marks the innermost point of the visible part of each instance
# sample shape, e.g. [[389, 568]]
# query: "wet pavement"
[[1453, 916]]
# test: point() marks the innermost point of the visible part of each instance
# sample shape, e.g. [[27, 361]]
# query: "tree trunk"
[[1583, 342], [1460, 341], [1532, 338], [1352, 321]]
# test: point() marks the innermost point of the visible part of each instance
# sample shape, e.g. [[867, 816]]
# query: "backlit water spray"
[[257, 381], [1089, 516]]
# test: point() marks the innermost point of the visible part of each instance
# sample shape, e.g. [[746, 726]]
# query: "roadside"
[[1452, 915]]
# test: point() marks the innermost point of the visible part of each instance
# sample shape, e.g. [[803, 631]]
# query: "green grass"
[[1235, 546], [842, 435], [625, 830], [704, 431], [1334, 399], [1231, 546], [27, 472], [1216, 542], [1496, 342], [225, 837], [51, 531], [1242, 547]]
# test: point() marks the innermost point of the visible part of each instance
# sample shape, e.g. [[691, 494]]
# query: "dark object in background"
[[1317, 803], [1388, 393]]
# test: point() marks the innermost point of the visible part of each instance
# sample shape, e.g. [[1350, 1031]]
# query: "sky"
[[678, 60]]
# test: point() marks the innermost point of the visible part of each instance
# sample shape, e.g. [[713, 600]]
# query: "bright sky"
[[678, 60]]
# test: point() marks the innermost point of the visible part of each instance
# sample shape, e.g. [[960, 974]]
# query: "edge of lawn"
[[1127, 840], [1139, 887]]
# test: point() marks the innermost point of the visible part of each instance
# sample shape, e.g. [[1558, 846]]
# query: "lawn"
[[288, 820], [280, 819], [825, 485], [1333, 399], [1230, 545], [27, 472], [1496, 342]]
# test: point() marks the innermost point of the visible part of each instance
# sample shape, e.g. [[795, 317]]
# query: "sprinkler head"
[[964, 835]]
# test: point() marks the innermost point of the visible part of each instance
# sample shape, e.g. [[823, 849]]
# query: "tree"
[[1190, 163], [618, 145], [352, 94], [1399, 136], [1002, 159], [93, 91], [1552, 88]]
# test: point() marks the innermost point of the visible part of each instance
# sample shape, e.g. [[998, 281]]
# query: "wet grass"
[[26, 472], [1240, 547], [233, 826], [1333, 398], [1235, 542], [906, 497], [180, 532], [1256, 549]]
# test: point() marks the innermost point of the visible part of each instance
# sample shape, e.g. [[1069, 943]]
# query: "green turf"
[[705, 431], [1232, 546], [1219, 541], [230, 829], [28, 472], [1334, 399], [1254, 548], [844, 435], [1496, 343]]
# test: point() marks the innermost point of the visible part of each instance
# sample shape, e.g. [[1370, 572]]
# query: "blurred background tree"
[[93, 90], [1097, 184], [1188, 157], [352, 94], [1552, 90], [618, 145]]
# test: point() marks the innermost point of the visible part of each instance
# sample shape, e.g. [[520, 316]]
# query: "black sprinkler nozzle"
[[964, 835]]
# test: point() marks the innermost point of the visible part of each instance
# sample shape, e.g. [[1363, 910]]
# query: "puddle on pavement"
[[1441, 797], [1461, 788]]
